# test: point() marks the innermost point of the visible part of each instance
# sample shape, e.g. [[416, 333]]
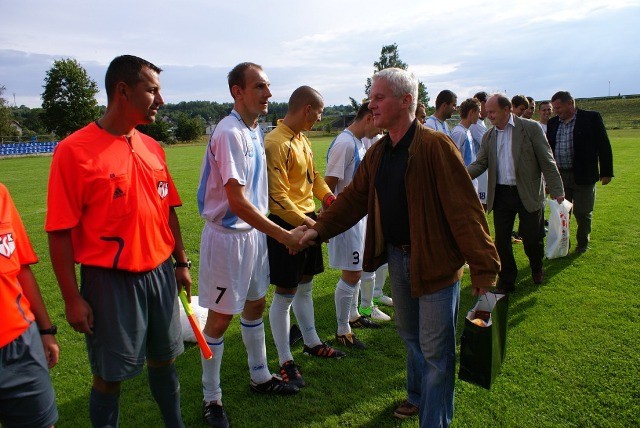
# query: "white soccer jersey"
[[435, 124], [234, 151], [368, 142], [343, 157]]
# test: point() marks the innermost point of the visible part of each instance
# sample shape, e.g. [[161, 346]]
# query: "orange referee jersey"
[[115, 197], [15, 251]]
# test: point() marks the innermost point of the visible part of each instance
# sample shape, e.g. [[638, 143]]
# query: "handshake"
[[299, 238]]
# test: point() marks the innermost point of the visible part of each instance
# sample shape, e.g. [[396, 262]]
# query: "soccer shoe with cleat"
[[350, 340], [363, 322], [290, 374], [323, 351], [275, 386], [214, 415], [378, 315], [383, 300]]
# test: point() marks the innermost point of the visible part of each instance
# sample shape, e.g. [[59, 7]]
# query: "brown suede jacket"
[[447, 222]]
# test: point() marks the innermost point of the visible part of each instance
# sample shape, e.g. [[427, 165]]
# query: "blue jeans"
[[427, 326]]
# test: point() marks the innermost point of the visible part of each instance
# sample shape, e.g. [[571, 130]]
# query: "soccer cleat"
[[378, 315], [405, 410], [350, 340], [364, 322], [323, 351], [214, 415], [383, 300], [276, 386], [290, 374]]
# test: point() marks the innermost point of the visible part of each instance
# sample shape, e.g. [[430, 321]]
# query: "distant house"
[[209, 128], [16, 125]]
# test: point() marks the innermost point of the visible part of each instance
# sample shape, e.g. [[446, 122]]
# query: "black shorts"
[[26, 395], [288, 270]]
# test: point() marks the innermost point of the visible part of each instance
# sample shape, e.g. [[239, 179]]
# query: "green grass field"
[[573, 353]]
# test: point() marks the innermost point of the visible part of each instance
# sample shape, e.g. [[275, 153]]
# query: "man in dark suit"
[[516, 154], [579, 142]]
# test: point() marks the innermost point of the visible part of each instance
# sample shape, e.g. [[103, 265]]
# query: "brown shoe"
[[405, 410], [538, 277]]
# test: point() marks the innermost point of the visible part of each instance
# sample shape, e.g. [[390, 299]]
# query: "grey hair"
[[402, 82]]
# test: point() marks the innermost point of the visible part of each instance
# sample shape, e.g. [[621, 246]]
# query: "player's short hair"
[[127, 69], [469, 105], [304, 96], [481, 96], [544, 103], [363, 111], [445, 96], [237, 74], [519, 100]]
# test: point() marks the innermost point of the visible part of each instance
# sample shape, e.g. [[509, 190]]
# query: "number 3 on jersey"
[[356, 257]]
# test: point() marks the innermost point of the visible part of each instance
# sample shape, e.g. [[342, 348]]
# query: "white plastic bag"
[[558, 235], [201, 316]]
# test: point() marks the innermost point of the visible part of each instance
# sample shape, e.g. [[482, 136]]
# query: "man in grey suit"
[[515, 152]]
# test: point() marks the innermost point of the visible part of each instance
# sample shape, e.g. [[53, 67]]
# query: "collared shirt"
[[506, 173], [437, 125], [564, 143], [391, 189]]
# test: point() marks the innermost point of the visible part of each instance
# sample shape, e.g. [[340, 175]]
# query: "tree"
[[68, 99], [188, 129], [389, 57], [6, 130], [158, 130]]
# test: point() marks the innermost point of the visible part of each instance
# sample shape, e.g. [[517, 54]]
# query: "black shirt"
[[392, 194]]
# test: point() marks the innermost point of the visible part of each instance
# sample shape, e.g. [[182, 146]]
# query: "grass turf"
[[572, 354]]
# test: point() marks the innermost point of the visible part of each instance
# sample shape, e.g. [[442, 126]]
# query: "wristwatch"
[[51, 330], [183, 264]]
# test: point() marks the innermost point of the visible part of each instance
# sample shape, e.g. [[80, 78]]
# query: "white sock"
[[253, 338], [353, 312], [366, 289], [211, 370], [303, 308], [280, 325], [343, 298], [381, 277]]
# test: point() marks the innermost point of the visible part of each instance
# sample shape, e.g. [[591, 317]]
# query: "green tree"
[[187, 128], [68, 99], [159, 130], [6, 130], [389, 57]]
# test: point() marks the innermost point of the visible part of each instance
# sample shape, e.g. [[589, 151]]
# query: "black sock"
[[103, 409], [165, 389]]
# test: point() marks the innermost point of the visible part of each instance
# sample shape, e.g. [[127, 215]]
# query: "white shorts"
[[234, 268], [346, 249], [482, 187]]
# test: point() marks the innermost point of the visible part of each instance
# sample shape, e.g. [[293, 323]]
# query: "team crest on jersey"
[[7, 245], [163, 189]]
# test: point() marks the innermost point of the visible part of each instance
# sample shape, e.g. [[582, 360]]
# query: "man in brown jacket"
[[425, 242]]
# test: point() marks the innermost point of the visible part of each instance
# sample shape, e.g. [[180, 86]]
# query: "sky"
[[588, 47]]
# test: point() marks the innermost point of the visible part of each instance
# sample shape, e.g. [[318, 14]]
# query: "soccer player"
[[461, 134], [234, 267], [293, 182], [446, 104], [345, 250], [110, 207], [28, 347]]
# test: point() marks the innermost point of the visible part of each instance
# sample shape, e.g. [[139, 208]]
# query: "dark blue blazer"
[[591, 146]]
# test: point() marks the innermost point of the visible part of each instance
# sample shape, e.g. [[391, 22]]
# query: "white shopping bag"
[[558, 235], [201, 316]]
